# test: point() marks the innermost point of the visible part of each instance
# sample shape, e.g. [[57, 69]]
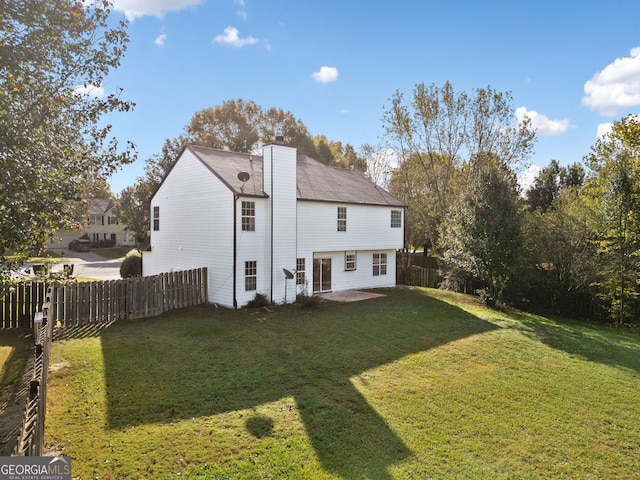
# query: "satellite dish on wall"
[[243, 176], [287, 273]]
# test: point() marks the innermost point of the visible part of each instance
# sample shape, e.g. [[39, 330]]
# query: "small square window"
[[349, 261]]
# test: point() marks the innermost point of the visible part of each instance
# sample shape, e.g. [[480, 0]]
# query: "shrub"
[[131, 266], [260, 300], [304, 300]]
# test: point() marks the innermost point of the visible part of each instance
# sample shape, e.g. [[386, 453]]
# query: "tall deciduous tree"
[[54, 56], [615, 189], [438, 126]]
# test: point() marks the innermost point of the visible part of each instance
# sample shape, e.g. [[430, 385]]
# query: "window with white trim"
[[300, 269], [248, 216], [250, 275], [342, 219], [156, 218], [350, 261], [379, 264], [396, 219]]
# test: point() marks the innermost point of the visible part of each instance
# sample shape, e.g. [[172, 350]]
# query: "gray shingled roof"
[[100, 206], [315, 181]]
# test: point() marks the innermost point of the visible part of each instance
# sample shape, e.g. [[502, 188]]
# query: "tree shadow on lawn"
[[205, 361], [592, 342]]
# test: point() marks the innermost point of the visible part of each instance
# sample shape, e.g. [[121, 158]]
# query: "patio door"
[[321, 275]]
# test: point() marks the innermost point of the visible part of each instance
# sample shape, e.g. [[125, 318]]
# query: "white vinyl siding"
[[197, 227]]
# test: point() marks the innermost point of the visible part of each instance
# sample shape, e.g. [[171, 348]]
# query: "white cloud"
[[231, 37], [616, 87], [326, 75], [528, 177], [89, 90], [160, 39], [604, 128], [543, 124], [157, 8]]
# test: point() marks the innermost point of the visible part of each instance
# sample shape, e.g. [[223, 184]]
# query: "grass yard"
[[418, 384]]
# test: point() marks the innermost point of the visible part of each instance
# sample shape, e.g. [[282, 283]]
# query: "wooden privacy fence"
[[19, 303], [138, 297], [74, 303], [424, 277]]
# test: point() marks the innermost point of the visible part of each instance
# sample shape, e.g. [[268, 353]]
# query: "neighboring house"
[[100, 224], [254, 220]]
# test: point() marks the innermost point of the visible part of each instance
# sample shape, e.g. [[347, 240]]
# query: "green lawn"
[[418, 384]]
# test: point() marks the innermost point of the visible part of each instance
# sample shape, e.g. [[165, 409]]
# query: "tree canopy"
[[439, 131], [54, 56]]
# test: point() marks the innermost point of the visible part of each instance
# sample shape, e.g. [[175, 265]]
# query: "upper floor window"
[[396, 219], [250, 275], [248, 216], [156, 218], [349, 261], [342, 219], [300, 269], [379, 264], [96, 220], [112, 220]]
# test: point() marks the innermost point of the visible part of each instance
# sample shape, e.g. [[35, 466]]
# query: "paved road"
[[92, 265], [87, 264]]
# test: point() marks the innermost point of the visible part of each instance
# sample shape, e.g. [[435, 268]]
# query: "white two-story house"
[[276, 224]]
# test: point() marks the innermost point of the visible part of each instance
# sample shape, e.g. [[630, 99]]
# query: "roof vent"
[[279, 140]]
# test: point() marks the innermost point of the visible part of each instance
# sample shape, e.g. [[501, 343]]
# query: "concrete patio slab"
[[349, 296]]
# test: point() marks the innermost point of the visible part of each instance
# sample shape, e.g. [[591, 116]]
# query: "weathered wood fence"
[[103, 301], [19, 302], [423, 277], [418, 270], [139, 297]]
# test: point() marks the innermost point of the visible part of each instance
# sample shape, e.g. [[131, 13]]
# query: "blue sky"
[[572, 66]]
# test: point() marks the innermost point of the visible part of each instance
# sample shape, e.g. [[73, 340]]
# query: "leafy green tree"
[[551, 180], [438, 124], [483, 232], [560, 256], [615, 193], [54, 56], [133, 207]]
